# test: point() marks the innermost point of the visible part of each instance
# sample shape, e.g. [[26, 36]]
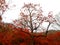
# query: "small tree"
[[31, 17], [50, 19]]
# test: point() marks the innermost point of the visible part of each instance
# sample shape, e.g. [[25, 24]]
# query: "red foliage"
[[19, 36]]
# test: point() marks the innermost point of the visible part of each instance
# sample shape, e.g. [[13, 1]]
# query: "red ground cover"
[[19, 36]]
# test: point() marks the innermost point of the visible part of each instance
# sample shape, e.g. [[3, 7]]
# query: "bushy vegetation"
[[10, 35]]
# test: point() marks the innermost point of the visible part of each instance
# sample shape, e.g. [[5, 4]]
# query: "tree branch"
[[36, 27]]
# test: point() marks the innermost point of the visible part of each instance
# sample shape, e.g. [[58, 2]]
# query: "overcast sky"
[[47, 5]]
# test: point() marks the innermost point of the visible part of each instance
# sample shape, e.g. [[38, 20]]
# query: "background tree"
[[3, 7], [50, 19], [31, 17], [56, 25]]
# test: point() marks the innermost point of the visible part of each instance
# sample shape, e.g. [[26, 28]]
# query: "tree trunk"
[[31, 25], [47, 29], [32, 39]]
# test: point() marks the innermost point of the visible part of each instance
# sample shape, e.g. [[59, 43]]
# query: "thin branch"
[[36, 27]]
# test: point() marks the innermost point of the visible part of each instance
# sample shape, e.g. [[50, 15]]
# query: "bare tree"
[[31, 17]]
